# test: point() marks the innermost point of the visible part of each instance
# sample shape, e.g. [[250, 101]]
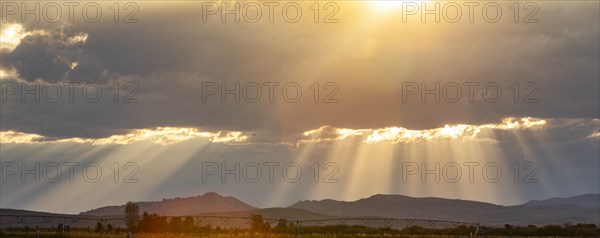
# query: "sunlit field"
[[166, 235], [579, 230]]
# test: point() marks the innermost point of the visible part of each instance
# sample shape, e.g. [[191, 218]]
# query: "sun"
[[390, 5], [386, 5], [10, 35]]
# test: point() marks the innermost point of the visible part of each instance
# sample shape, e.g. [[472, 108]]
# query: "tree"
[[508, 228], [132, 215], [281, 226], [258, 223], [152, 223], [99, 227], [189, 224], [175, 224]]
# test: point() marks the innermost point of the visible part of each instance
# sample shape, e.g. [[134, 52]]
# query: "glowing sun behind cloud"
[[386, 5], [11, 35]]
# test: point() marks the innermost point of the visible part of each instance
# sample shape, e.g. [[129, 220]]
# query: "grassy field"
[[222, 235]]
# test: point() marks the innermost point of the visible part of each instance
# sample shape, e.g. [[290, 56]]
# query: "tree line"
[[153, 223]]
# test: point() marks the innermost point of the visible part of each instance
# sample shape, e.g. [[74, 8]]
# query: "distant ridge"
[[586, 200], [577, 209], [400, 206], [206, 203]]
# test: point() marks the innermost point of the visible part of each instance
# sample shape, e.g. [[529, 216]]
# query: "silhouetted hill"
[[15, 217], [208, 202], [399, 206], [587, 200], [578, 209], [290, 214]]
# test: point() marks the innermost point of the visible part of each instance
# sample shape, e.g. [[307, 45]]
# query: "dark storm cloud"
[[170, 52]]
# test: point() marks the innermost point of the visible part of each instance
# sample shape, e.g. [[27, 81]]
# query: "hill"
[[206, 203], [577, 209]]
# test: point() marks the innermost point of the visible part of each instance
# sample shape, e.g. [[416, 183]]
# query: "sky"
[[341, 100]]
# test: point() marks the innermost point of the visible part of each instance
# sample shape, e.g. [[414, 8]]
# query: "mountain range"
[[206, 203], [577, 209]]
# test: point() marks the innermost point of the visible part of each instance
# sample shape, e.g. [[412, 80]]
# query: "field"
[[166, 235], [228, 235]]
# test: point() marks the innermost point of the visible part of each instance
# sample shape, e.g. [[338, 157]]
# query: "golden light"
[[344, 132], [11, 36], [453, 131], [8, 73], [400, 134], [160, 135], [386, 5]]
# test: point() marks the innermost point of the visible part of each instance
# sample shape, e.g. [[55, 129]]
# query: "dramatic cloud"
[[171, 53], [561, 153], [402, 135], [172, 92], [161, 136]]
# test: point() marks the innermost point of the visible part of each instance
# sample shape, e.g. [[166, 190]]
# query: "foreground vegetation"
[[152, 225], [286, 229]]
